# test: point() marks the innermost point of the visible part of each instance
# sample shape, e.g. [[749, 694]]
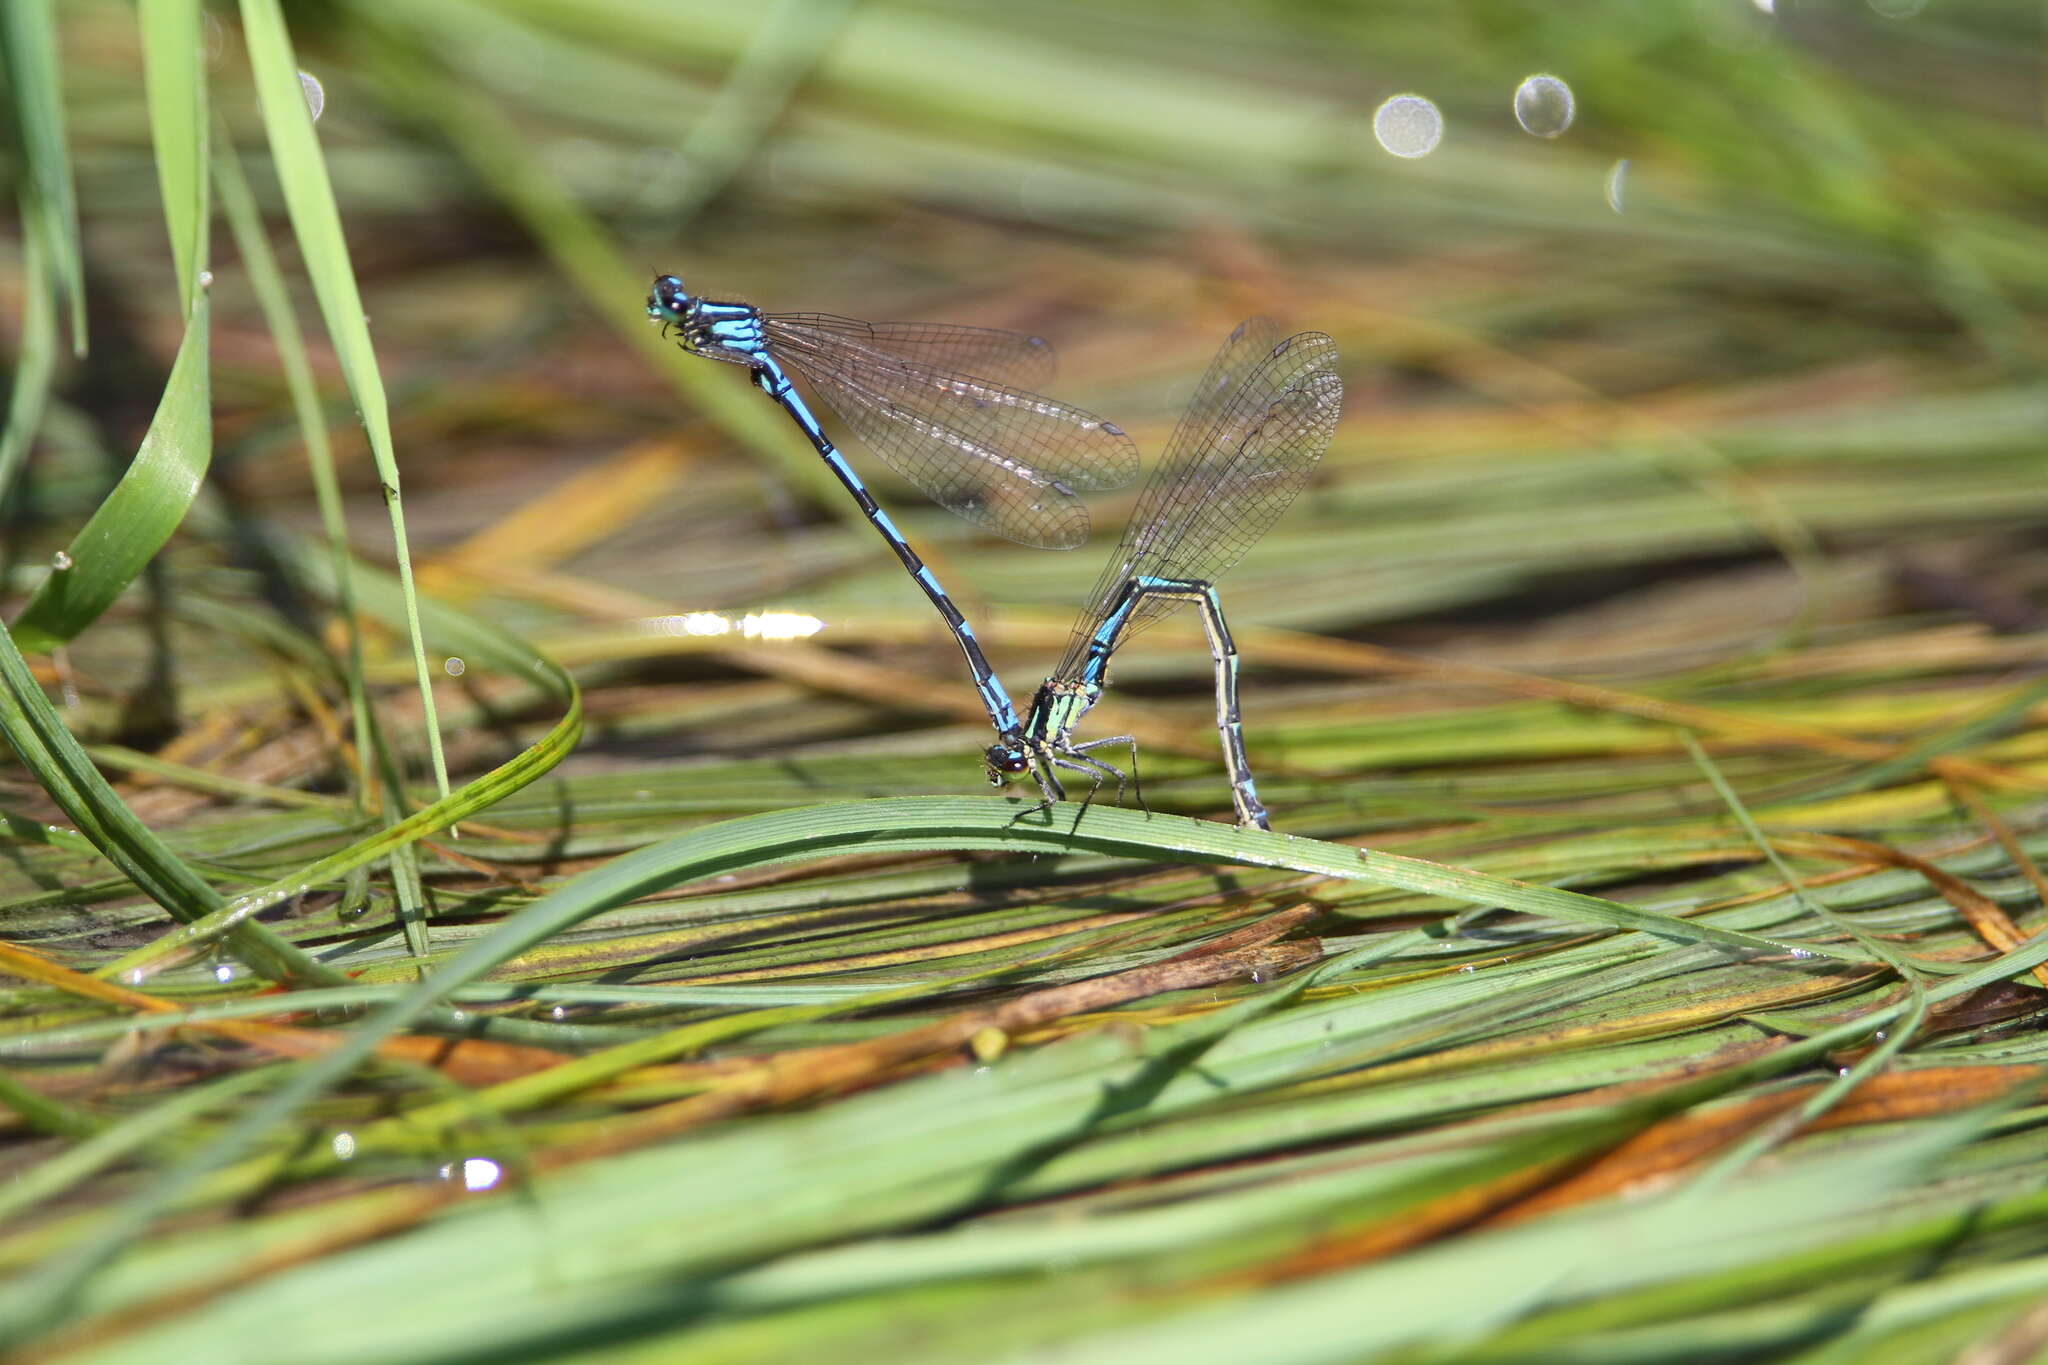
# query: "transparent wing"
[[1005, 458], [1261, 418], [1006, 357]]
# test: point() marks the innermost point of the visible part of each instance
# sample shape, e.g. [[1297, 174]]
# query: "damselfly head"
[[729, 331], [667, 302], [1005, 760]]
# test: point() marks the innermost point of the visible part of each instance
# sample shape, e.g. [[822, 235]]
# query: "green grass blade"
[[309, 197], [41, 741], [266, 280], [28, 42], [35, 362], [39, 1111], [783, 51], [275, 301], [987, 823], [869, 827], [175, 70], [116, 1141], [474, 640], [147, 505], [1426, 1296]]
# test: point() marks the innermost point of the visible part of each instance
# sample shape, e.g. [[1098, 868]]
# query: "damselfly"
[[1259, 422], [913, 392]]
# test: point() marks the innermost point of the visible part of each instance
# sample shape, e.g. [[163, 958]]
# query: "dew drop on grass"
[[344, 1146], [316, 94], [60, 561], [223, 972], [1408, 126], [206, 279], [1544, 106], [454, 666]]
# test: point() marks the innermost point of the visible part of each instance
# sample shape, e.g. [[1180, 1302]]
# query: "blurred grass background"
[[1651, 677]]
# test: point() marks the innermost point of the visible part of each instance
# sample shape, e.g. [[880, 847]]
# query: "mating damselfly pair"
[[944, 406]]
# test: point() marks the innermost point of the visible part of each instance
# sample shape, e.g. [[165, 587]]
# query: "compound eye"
[[1002, 758], [667, 295]]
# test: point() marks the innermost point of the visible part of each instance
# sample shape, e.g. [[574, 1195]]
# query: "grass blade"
[[147, 505], [35, 362], [175, 67], [28, 42], [41, 740], [309, 197]]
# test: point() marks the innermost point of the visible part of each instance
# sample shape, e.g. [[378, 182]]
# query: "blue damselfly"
[[1260, 420], [941, 405]]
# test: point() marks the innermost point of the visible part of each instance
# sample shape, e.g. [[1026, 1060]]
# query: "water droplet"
[[344, 1146], [480, 1173], [206, 279], [1469, 966], [1408, 126], [1544, 106], [1800, 954], [223, 972], [457, 1018], [316, 95], [559, 1012], [454, 666], [1617, 183], [60, 561], [132, 977], [1258, 977]]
